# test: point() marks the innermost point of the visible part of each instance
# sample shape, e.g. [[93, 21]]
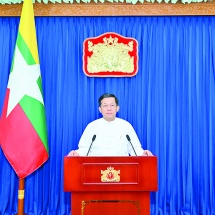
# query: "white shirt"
[[110, 139]]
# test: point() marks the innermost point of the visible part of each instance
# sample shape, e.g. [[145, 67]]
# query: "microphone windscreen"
[[128, 138], [94, 137]]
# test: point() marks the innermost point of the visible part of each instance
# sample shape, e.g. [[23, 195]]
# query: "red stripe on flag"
[[20, 142]]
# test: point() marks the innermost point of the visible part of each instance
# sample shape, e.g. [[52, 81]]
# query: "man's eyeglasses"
[[108, 106]]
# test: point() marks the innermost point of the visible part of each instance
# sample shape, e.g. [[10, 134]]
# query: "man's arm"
[[83, 144]]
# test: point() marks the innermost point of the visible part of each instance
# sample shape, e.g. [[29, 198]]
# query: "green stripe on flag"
[[36, 114], [25, 50], [39, 83]]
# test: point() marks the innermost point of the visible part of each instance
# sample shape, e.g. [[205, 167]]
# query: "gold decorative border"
[[113, 9], [85, 203]]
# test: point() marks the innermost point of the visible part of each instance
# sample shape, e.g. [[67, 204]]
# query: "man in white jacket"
[[109, 136]]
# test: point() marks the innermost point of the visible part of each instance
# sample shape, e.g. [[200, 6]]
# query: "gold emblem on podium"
[[110, 175]]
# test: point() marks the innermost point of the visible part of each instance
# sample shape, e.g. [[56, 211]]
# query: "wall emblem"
[[110, 55], [110, 175]]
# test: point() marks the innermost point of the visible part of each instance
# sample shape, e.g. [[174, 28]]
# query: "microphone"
[[93, 139], [129, 140]]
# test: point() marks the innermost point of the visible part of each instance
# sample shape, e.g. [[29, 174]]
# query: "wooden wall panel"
[[113, 9]]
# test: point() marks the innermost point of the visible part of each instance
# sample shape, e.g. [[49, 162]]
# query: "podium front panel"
[[110, 185], [135, 173]]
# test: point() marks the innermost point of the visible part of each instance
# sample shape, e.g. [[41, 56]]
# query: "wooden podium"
[[110, 185]]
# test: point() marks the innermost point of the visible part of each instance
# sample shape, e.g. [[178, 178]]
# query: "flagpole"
[[21, 197]]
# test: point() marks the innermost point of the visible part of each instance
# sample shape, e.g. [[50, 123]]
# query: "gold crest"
[[110, 54], [110, 175]]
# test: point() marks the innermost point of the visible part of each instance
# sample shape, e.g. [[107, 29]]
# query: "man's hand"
[[147, 153], [73, 153]]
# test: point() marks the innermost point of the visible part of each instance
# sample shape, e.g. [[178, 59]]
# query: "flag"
[[23, 122]]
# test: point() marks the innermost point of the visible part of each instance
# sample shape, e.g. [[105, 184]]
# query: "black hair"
[[108, 95]]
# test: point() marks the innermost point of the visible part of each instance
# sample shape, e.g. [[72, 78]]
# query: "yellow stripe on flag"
[[27, 28]]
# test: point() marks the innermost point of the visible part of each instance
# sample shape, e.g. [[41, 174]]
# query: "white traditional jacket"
[[110, 139]]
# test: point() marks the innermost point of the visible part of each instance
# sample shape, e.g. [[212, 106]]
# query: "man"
[[109, 136]]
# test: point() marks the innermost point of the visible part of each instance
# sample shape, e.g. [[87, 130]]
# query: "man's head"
[[108, 106]]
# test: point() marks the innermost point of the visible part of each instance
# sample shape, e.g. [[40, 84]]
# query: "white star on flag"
[[23, 81]]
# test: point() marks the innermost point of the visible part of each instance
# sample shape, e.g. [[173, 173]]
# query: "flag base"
[[21, 195]]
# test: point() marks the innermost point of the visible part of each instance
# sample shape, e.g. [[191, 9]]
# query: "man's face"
[[108, 108]]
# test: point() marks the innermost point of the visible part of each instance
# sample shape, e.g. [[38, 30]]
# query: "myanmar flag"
[[23, 123]]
